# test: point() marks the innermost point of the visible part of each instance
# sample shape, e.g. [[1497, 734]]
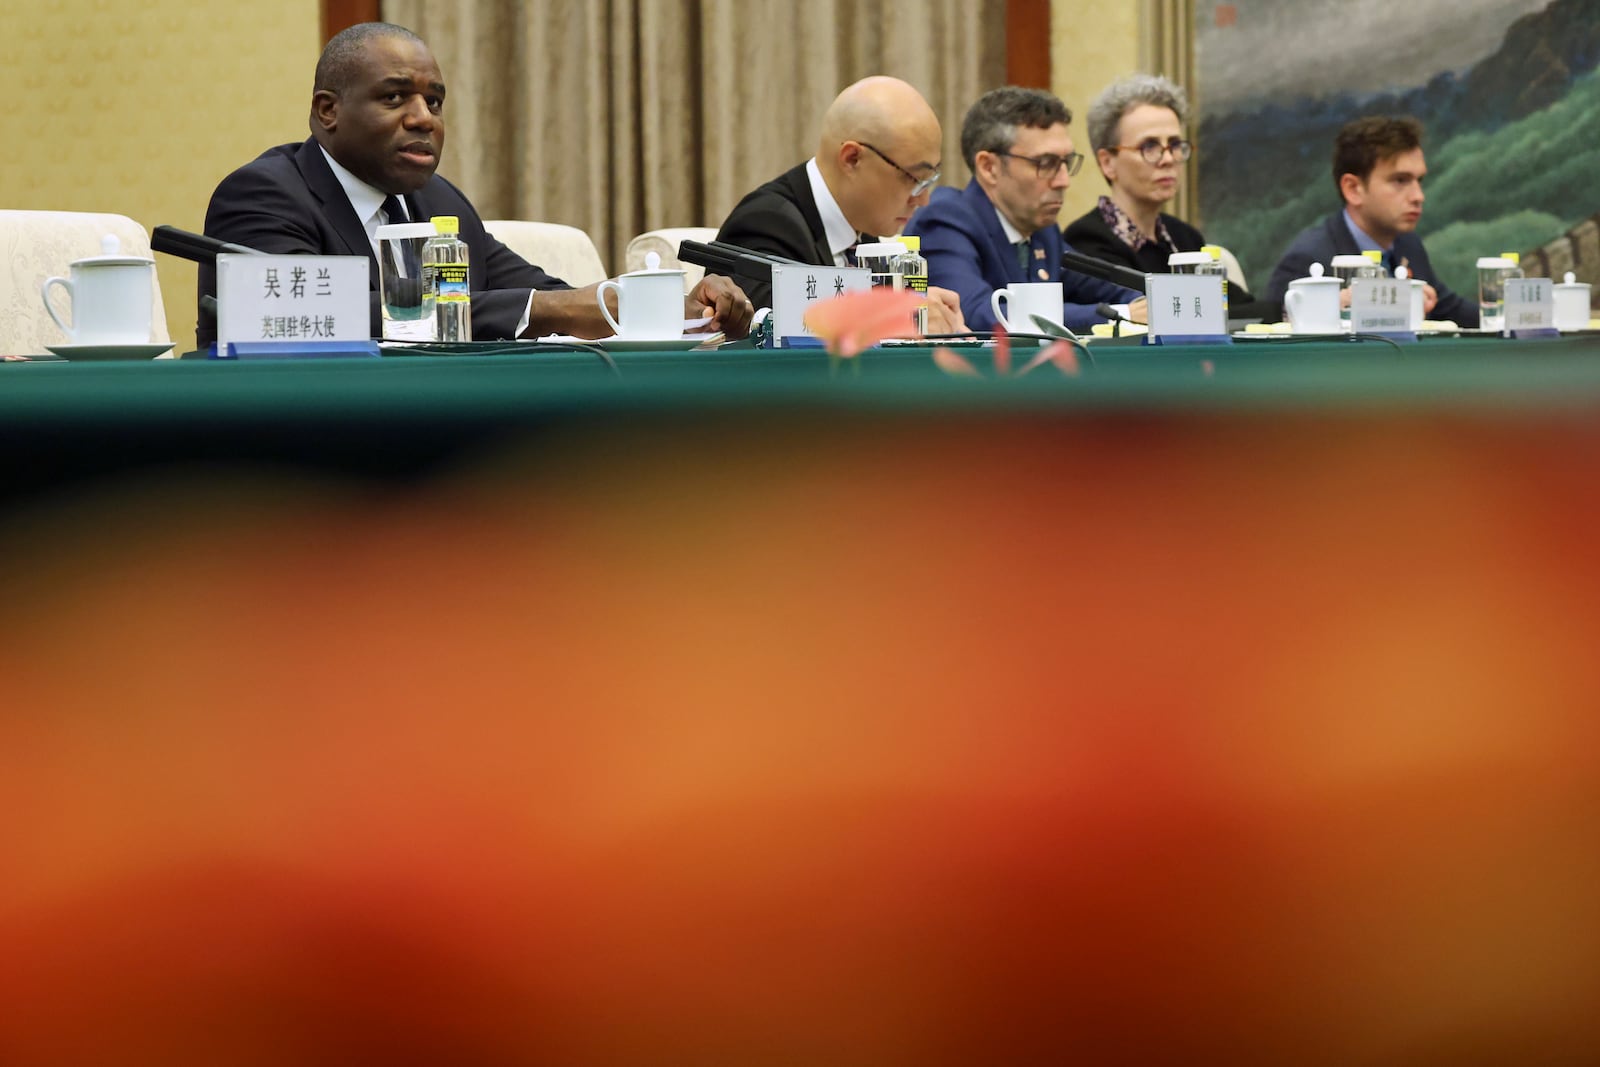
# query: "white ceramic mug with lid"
[[1312, 304], [110, 297], [649, 303], [1571, 303]]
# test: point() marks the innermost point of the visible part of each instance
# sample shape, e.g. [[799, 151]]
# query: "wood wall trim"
[[342, 14], [1028, 43]]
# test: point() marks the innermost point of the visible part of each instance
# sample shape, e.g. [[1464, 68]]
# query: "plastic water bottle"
[[445, 261], [1215, 252], [913, 270]]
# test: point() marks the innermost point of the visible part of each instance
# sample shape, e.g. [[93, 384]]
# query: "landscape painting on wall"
[[1507, 91]]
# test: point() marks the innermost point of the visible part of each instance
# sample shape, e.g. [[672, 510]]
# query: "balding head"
[[872, 184]]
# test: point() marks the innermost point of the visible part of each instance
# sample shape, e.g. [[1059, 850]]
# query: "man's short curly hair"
[[341, 57], [991, 124], [1364, 143]]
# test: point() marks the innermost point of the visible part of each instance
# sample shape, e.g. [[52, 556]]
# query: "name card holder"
[[1530, 308], [1186, 309], [1381, 306], [795, 288], [283, 307]]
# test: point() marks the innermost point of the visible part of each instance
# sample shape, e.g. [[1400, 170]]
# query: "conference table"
[[400, 409], [1218, 704]]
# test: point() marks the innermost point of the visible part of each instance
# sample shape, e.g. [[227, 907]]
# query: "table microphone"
[[720, 259], [1099, 268], [195, 247]]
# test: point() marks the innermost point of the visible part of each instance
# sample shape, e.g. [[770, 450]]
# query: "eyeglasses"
[[918, 185], [1049, 166], [1150, 149]]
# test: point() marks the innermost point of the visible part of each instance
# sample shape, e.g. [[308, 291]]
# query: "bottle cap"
[[405, 231], [913, 244], [881, 250], [1214, 251], [1514, 257], [447, 223], [1373, 254]]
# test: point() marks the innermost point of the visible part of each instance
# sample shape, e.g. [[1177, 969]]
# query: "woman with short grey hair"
[[1136, 128]]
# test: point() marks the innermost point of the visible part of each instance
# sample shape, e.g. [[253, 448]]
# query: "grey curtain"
[[620, 116]]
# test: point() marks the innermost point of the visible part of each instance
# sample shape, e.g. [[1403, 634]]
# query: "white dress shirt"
[[367, 203], [841, 235]]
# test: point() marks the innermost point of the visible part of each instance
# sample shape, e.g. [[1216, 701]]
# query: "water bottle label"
[[917, 282], [452, 282]]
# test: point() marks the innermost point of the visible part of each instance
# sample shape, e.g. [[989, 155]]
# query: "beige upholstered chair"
[[563, 251], [37, 244], [665, 244]]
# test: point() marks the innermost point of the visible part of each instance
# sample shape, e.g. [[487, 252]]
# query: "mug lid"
[[882, 248], [1494, 263], [110, 255], [1351, 261], [402, 231], [652, 266], [1188, 259]]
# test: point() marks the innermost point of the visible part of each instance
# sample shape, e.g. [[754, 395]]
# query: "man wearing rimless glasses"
[[878, 156], [1001, 229]]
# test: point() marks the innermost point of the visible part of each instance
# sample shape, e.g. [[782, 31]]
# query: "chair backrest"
[[1230, 263], [563, 251], [34, 245], [665, 244]]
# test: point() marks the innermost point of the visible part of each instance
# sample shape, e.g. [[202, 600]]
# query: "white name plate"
[[796, 288], [1380, 305], [1186, 305], [292, 299], [1530, 304]]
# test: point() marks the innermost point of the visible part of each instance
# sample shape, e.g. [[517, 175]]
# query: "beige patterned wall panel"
[[1092, 43], [139, 107]]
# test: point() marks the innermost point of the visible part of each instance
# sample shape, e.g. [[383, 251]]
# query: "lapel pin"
[[1044, 275]]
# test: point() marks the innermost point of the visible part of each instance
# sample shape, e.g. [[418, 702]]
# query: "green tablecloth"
[[1468, 372]]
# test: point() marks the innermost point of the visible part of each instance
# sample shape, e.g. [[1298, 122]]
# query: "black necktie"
[[1022, 256], [861, 239], [394, 209]]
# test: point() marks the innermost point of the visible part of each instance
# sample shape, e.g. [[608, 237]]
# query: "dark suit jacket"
[[967, 252], [288, 201], [1090, 235], [1331, 237], [781, 219]]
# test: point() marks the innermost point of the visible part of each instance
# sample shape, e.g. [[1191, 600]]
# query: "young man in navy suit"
[[1378, 169], [1001, 229]]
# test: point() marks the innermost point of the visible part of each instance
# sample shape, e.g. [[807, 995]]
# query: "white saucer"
[[107, 352], [617, 344], [671, 344]]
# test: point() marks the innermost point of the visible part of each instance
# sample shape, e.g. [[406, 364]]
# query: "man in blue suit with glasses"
[[1001, 229]]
